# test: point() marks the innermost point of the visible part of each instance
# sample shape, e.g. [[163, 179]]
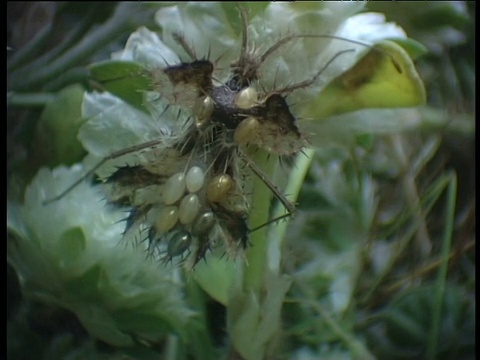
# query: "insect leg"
[[112, 156], [307, 83], [273, 188]]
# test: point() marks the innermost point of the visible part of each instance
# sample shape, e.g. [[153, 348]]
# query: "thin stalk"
[[125, 18], [426, 204], [75, 34], [171, 348], [427, 269], [442, 271], [359, 351], [423, 242], [30, 50], [29, 100], [71, 76], [292, 190], [259, 215]]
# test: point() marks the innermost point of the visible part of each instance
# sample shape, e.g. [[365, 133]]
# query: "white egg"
[[247, 131], [167, 219], [174, 188], [203, 223], [189, 208], [218, 187], [246, 98], [195, 179]]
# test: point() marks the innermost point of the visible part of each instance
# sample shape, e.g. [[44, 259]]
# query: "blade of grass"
[[70, 39], [425, 205], [126, 18], [442, 271], [358, 349], [30, 50], [422, 239], [30, 100]]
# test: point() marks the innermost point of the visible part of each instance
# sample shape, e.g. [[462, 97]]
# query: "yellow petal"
[[384, 78]]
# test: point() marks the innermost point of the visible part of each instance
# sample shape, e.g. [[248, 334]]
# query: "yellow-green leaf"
[[384, 78]]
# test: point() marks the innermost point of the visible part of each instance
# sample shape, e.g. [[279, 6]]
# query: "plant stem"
[[30, 50], [442, 272], [426, 204], [125, 18], [257, 254], [29, 99], [292, 190], [423, 242]]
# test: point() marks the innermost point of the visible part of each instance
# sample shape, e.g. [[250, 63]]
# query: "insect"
[[190, 190]]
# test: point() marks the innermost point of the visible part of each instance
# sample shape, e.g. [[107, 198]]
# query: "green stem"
[[73, 36], [426, 205], [71, 76], [422, 239], [127, 16], [264, 251], [259, 215], [292, 190], [171, 348], [29, 99], [442, 272], [358, 349], [31, 49]]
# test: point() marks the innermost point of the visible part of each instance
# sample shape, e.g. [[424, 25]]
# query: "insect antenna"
[[247, 65], [307, 83]]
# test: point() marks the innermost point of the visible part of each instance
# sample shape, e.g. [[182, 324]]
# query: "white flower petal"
[[113, 124], [145, 47], [370, 27], [203, 25]]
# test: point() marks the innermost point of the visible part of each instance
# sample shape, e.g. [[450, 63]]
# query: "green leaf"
[[136, 321], [124, 79], [215, 277], [56, 140], [85, 287], [414, 48], [384, 78], [70, 246], [243, 322], [254, 322], [101, 325]]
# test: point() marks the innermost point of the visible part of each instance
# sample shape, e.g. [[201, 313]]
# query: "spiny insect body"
[[203, 195], [192, 191]]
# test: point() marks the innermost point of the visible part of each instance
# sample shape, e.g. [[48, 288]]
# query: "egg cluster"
[[200, 198], [203, 197], [200, 203], [187, 212]]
